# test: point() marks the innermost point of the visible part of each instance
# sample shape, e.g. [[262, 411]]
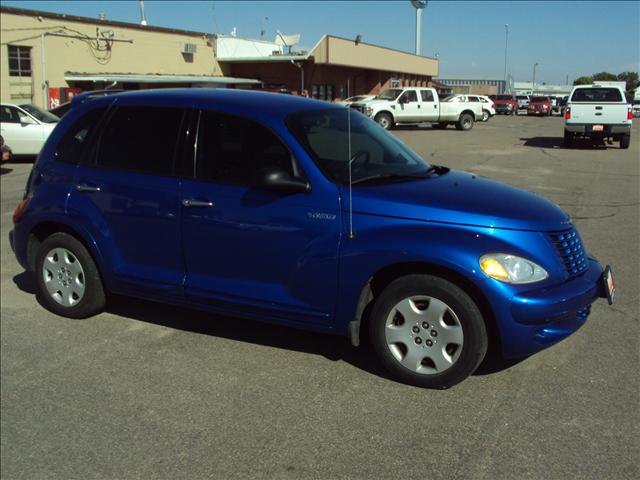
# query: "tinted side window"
[[233, 150], [472, 99], [409, 96], [74, 142], [427, 95], [9, 115], [140, 139]]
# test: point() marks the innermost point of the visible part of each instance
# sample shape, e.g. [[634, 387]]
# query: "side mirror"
[[277, 179], [25, 120]]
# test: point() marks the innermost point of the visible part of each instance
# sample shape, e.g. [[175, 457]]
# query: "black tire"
[[465, 122], [568, 139], [441, 125], [625, 141], [384, 120], [93, 297], [473, 348]]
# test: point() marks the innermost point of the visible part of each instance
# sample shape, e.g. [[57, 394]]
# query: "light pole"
[[419, 5], [533, 83], [506, 43]]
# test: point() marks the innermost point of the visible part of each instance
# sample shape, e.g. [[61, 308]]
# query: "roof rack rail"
[[84, 96]]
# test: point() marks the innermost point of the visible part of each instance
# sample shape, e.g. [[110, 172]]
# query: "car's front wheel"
[[68, 280], [428, 332], [384, 120]]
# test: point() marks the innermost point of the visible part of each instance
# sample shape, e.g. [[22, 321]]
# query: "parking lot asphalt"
[[150, 391]]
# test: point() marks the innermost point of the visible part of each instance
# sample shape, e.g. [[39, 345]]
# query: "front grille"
[[569, 245]]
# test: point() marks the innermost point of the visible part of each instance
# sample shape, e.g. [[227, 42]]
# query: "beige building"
[[47, 57], [41, 52]]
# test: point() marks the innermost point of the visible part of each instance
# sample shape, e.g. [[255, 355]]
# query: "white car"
[[598, 112], [488, 107], [356, 99], [25, 128]]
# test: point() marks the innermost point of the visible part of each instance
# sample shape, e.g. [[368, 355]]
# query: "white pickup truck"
[[420, 105], [598, 112]]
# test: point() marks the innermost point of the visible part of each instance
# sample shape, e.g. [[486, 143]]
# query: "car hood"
[[460, 198]]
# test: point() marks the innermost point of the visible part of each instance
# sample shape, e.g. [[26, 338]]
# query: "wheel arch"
[[388, 112], [470, 112], [384, 276], [45, 229]]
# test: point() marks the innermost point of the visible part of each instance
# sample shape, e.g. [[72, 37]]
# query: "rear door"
[[250, 250], [128, 198], [429, 108]]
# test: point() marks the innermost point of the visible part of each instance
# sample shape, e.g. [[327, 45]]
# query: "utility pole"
[[506, 43], [533, 83]]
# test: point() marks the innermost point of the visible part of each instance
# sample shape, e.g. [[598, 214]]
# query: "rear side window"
[[74, 143], [427, 95], [596, 95], [473, 99], [233, 149], [140, 139]]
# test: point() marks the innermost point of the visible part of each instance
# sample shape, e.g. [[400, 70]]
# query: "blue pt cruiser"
[[303, 213]]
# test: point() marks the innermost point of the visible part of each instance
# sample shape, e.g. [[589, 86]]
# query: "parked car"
[[488, 107], [249, 191], [21, 129], [413, 105], [356, 99], [523, 102], [636, 108], [540, 106], [506, 104], [598, 112]]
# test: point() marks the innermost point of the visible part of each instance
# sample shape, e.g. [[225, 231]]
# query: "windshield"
[[374, 151], [538, 99], [452, 98], [596, 95], [355, 99], [41, 115], [390, 94], [505, 97]]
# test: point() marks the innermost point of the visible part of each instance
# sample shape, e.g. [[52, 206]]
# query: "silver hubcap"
[[485, 116], [63, 277], [383, 122], [424, 334]]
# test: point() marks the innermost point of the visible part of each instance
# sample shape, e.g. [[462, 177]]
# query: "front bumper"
[[587, 129], [533, 320]]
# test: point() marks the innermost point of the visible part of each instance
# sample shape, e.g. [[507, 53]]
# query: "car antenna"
[[351, 234]]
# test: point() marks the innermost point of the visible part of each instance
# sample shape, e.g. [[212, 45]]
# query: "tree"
[[583, 81], [632, 81], [604, 77]]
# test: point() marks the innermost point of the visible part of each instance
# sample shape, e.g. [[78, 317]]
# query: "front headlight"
[[368, 111], [512, 269]]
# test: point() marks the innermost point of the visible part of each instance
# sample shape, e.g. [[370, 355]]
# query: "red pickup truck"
[[506, 104], [540, 106]]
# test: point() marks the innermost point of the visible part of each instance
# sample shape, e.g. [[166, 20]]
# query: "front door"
[[408, 108], [249, 250]]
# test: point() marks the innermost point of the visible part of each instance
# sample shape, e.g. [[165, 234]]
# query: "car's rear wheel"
[[485, 116], [384, 120], [465, 122], [427, 332], [68, 280], [625, 141]]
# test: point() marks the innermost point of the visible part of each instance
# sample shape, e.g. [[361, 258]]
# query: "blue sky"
[[565, 38]]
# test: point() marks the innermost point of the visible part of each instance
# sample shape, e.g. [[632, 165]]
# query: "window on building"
[[141, 139], [233, 150], [19, 61]]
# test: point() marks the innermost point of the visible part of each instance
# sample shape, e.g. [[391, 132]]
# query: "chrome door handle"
[[196, 203], [83, 187]]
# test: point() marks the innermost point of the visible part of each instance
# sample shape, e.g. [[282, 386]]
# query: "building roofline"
[[376, 46], [97, 21]]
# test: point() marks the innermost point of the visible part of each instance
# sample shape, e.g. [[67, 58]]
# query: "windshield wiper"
[[438, 169]]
